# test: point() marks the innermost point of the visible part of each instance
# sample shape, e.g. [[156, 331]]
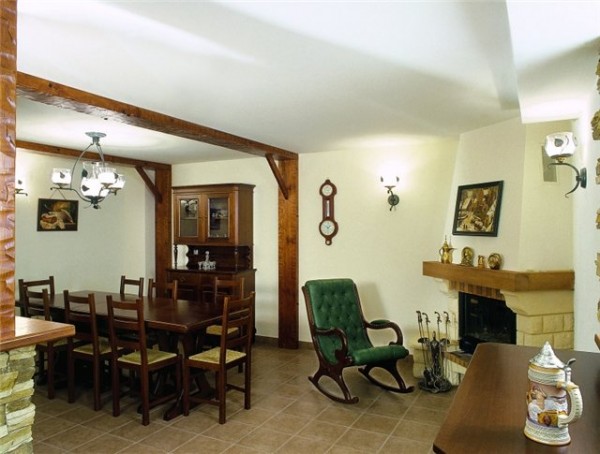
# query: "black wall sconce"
[[20, 187], [388, 183], [559, 146]]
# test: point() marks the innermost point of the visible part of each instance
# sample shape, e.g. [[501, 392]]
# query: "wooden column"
[[288, 256], [8, 114], [163, 247]]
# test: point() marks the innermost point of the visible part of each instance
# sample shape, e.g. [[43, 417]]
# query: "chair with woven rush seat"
[[231, 352], [86, 345], [126, 328], [171, 289], [138, 284], [222, 288], [47, 352], [340, 338]]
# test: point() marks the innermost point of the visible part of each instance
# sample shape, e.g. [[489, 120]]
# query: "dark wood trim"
[[278, 175], [163, 225], [150, 184], [8, 114], [288, 257], [514, 281], [63, 96]]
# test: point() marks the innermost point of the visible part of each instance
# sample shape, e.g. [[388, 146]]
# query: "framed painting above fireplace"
[[477, 209]]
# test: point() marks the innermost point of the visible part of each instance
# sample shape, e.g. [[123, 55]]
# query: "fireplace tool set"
[[433, 349]]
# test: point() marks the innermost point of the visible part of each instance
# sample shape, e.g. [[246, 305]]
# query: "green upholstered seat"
[[340, 338]]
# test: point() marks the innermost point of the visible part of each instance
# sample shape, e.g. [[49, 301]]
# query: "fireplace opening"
[[482, 319]]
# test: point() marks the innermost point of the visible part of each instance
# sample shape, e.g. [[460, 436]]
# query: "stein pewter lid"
[[546, 358]]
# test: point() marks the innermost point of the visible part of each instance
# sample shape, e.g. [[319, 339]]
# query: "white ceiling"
[[305, 76]]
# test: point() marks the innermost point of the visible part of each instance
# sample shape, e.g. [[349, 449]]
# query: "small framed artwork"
[[57, 215], [477, 209]]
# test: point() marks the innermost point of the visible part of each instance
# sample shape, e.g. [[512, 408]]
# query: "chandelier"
[[97, 179]]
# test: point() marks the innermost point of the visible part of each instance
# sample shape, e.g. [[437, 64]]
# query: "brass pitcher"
[[446, 252], [549, 411]]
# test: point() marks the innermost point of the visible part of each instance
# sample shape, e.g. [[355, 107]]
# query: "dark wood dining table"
[[184, 320], [489, 409]]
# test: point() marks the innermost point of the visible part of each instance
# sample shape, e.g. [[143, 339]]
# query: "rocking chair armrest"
[[384, 324], [342, 353]]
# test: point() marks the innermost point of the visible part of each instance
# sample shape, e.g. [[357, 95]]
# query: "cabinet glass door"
[[218, 217], [188, 217]]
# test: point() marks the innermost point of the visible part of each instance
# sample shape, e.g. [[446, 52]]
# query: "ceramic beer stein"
[[549, 411]]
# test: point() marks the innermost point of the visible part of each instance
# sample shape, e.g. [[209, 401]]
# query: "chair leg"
[[96, 383], [116, 389], [71, 378], [50, 373], [186, 388], [144, 390], [390, 366], [339, 379], [247, 381], [41, 367], [221, 390]]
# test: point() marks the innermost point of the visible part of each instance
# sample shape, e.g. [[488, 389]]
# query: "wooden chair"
[[137, 283], [127, 331], [339, 335], [43, 283], [49, 350], [231, 352], [222, 288], [86, 345], [171, 289]]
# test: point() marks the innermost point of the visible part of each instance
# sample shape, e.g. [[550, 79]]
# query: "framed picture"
[[477, 209], [57, 215]]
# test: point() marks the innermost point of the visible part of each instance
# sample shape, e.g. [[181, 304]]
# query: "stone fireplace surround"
[[541, 300]]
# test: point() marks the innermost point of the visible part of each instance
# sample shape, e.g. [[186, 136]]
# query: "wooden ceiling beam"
[[65, 97]]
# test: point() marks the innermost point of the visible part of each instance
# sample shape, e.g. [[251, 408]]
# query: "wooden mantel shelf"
[[514, 281], [31, 331]]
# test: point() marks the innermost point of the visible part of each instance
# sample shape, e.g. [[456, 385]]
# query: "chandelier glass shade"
[[98, 180]]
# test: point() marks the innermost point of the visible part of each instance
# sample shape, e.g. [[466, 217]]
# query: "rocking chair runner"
[[339, 334]]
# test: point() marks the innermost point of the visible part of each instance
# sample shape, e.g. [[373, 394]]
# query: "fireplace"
[[483, 319]]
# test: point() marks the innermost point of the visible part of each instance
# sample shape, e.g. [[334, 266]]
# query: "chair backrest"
[[138, 283], [126, 327], [33, 290], [171, 289], [238, 313], [36, 310], [223, 287], [81, 312], [334, 303]]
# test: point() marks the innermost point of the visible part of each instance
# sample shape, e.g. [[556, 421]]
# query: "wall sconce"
[[20, 187], [559, 146], [389, 184]]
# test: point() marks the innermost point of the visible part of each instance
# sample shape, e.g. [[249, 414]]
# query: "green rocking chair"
[[339, 334]]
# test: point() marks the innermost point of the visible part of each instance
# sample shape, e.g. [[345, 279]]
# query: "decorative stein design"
[[548, 412], [446, 252]]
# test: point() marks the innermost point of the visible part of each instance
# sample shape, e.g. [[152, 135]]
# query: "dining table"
[[182, 323], [489, 409]]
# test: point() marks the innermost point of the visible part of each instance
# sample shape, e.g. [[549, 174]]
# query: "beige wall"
[[382, 250], [111, 241]]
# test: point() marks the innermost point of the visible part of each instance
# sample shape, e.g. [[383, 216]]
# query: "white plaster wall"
[[490, 154], [381, 250], [586, 238], [546, 229], [109, 242]]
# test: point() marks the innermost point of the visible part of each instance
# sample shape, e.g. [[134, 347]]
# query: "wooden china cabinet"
[[215, 222]]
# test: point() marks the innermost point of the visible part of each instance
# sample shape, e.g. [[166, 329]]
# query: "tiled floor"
[[288, 415]]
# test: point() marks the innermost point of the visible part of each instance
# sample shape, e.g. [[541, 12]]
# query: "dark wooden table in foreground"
[[489, 410]]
